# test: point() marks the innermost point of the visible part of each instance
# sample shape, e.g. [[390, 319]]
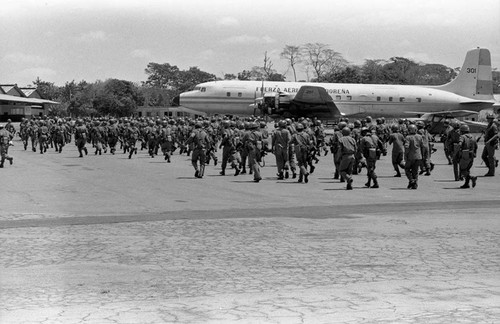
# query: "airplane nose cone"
[[176, 101]]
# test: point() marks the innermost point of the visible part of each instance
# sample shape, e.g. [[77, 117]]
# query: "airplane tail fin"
[[474, 79]]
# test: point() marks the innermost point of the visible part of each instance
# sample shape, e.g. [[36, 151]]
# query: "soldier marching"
[[244, 143]]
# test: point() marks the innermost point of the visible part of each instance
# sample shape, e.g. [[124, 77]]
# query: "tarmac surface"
[[105, 239]]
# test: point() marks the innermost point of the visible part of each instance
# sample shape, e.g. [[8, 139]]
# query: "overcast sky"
[[90, 40]]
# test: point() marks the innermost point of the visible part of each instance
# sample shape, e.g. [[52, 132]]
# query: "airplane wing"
[[315, 100]]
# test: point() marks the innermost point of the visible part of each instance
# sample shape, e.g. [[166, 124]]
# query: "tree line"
[[164, 81]]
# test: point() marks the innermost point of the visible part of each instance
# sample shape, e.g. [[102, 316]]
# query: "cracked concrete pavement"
[[105, 239]]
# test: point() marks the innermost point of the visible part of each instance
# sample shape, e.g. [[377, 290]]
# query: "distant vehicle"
[[436, 121], [472, 89]]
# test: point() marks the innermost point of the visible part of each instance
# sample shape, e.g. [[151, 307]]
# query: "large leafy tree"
[[47, 89], [117, 98], [162, 75], [371, 71], [78, 97], [170, 77], [186, 80], [400, 70], [434, 74]]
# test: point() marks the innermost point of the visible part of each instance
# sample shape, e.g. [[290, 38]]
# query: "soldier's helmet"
[[357, 123], [299, 127], [412, 129], [420, 124], [262, 124], [198, 125], [342, 125], [455, 124], [395, 128], [490, 116], [364, 131], [346, 131], [282, 123], [464, 129]]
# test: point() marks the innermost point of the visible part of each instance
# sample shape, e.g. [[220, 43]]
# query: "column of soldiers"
[[296, 145]]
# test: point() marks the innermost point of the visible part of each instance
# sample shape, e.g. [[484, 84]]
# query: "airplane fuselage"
[[235, 97]]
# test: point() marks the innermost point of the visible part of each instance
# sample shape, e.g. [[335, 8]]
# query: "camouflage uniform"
[[5, 138]]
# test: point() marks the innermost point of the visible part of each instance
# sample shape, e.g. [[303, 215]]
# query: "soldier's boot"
[[112, 151], [375, 183], [456, 172], [342, 179], [96, 151], [86, 151], [415, 184], [349, 184], [369, 182], [300, 178], [294, 175], [25, 146], [81, 153], [130, 154], [466, 184], [223, 172], [410, 184], [336, 175], [11, 160], [100, 152], [1, 163], [287, 174], [306, 177], [60, 149], [237, 171], [398, 174], [243, 170], [473, 180], [202, 171], [281, 176]]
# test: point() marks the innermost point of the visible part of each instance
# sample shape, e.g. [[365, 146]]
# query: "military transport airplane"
[[472, 89]]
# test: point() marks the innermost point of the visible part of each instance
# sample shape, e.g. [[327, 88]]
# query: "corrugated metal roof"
[[28, 91], [27, 100]]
